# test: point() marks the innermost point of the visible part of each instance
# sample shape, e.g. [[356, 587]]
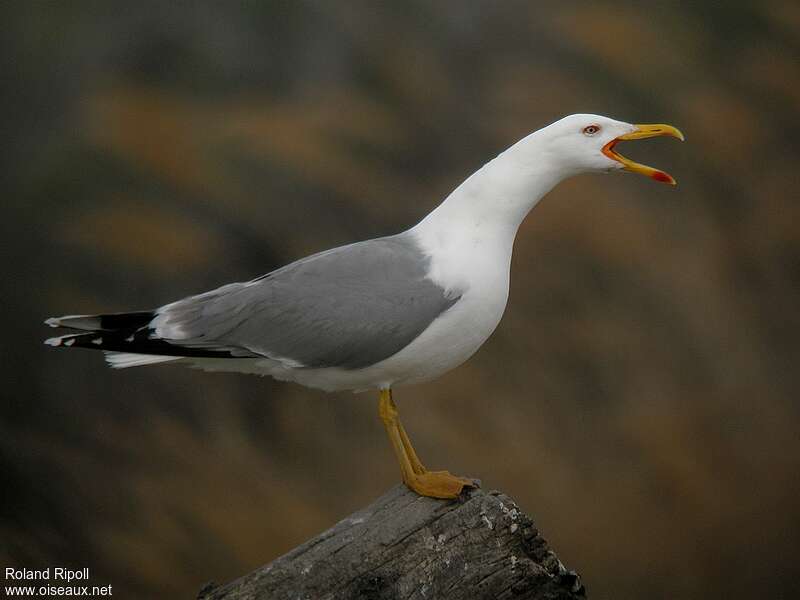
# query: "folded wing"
[[349, 307]]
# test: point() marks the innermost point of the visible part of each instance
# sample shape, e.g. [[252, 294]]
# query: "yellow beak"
[[642, 132]]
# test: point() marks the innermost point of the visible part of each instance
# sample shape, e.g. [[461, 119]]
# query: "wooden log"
[[404, 546]]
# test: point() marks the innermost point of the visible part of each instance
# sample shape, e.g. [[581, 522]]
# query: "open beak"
[[641, 132]]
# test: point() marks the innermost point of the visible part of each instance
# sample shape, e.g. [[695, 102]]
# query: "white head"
[[505, 189], [585, 143]]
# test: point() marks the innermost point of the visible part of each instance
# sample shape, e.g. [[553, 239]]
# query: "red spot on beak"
[[662, 177]]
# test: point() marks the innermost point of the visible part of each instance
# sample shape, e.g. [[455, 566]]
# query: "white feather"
[[123, 360]]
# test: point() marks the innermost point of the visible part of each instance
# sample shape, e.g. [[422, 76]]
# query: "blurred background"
[[640, 397]]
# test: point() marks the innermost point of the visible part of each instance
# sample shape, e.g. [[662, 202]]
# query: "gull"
[[381, 313]]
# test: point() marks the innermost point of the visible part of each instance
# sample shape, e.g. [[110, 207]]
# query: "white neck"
[[495, 199], [470, 236]]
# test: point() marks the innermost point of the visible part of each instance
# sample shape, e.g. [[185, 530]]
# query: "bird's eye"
[[591, 129]]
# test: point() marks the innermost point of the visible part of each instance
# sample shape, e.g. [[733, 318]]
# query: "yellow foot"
[[438, 484]]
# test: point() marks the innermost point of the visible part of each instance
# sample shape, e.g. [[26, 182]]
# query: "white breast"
[[477, 268]]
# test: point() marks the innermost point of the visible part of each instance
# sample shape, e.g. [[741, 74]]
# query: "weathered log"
[[406, 546]]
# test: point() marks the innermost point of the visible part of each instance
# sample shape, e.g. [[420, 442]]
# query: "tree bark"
[[404, 546]]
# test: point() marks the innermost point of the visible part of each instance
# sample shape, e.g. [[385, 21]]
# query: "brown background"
[[639, 399]]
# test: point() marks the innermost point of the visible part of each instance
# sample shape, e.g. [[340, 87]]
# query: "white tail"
[[123, 360]]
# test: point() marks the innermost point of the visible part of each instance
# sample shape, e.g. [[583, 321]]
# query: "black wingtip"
[[133, 343]]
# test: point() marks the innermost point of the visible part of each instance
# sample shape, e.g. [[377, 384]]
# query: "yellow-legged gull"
[[380, 313]]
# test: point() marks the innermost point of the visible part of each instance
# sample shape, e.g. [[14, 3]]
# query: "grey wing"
[[349, 307]]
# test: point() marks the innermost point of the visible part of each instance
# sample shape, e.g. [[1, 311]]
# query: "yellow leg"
[[435, 484], [416, 464]]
